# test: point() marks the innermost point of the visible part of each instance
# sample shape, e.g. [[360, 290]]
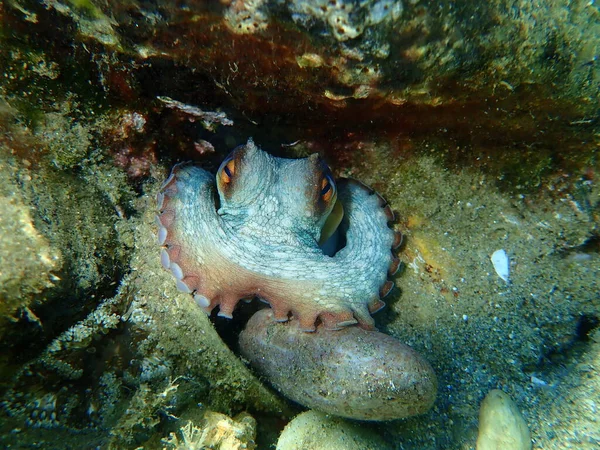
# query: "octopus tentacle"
[[370, 243], [170, 219]]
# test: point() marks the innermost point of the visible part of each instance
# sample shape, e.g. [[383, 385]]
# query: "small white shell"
[[501, 264]]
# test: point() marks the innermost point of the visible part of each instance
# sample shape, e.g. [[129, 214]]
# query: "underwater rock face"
[[354, 373], [501, 425]]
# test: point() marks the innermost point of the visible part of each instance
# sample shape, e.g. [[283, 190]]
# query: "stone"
[[318, 431], [501, 425], [352, 372]]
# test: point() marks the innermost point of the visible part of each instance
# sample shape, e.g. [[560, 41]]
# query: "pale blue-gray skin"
[[258, 234]]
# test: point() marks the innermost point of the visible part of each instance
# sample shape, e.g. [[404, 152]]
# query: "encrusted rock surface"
[[415, 67], [318, 431]]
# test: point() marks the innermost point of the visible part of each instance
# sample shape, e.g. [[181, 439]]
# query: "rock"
[[352, 372], [501, 425], [317, 431], [28, 258]]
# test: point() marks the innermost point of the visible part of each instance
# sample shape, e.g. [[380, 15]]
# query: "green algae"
[[88, 7]]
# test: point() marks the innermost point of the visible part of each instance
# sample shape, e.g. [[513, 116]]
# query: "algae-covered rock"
[[64, 238], [476, 72], [318, 431], [27, 259], [501, 425], [405, 51]]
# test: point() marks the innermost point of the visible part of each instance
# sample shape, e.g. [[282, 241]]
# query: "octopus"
[[282, 230]]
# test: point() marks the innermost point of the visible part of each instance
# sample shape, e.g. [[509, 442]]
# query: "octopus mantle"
[[255, 232]]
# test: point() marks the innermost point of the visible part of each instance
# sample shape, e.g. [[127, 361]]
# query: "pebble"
[[351, 372], [318, 431], [501, 425]]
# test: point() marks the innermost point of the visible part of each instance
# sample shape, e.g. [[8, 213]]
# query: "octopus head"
[[279, 195]]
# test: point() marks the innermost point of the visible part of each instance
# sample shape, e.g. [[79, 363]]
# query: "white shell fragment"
[[501, 264]]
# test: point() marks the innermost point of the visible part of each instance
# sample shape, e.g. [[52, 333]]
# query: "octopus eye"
[[227, 171], [327, 188]]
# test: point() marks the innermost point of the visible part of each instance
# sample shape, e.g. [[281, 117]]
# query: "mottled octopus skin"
[[262, 240]]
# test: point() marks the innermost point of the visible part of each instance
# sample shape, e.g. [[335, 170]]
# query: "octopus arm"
[[346, 288], [189, 231], [367, 256]]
